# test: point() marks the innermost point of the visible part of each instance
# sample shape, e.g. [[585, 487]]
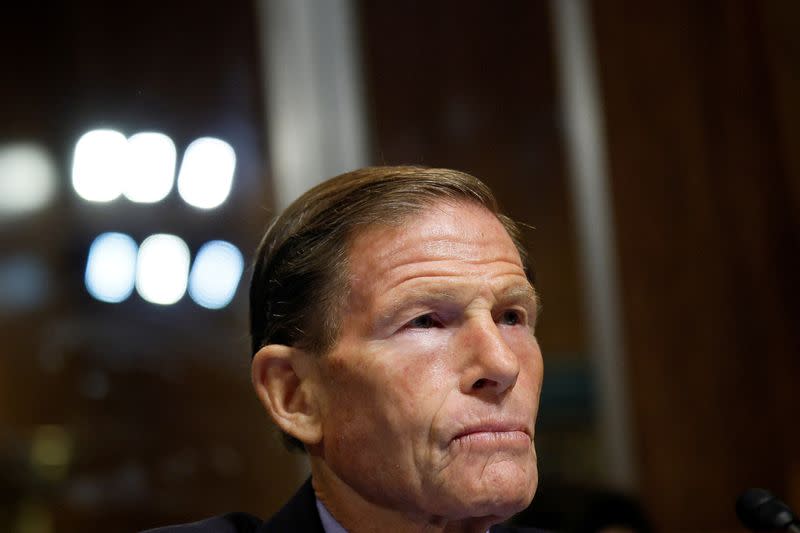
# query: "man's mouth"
[[494, 434]]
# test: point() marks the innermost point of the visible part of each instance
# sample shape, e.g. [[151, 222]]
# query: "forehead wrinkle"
[[463, 278], [449, 291], [399, 266], [431, 241], [394, 244], [464, 249]]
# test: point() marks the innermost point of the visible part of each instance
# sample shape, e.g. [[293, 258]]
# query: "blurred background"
[[653, 149]]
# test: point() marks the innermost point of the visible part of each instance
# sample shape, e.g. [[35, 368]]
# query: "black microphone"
[[759, 510]]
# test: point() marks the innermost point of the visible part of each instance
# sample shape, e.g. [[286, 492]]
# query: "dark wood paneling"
[[701, 103]]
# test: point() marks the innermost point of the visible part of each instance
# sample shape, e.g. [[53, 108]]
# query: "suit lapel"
[[298, 515]]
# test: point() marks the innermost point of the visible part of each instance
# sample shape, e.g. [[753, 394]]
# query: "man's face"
[[430, 394]]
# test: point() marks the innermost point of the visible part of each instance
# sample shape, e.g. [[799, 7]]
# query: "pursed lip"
[[493, 427]]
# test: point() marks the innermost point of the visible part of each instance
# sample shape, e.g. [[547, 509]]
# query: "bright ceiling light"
[[162, 269], [151, 171], [215, 275], [27, 178], [111, 267], [206, 173], [99, 165]]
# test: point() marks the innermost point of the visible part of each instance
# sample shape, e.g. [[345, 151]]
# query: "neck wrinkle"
[[358, 515]]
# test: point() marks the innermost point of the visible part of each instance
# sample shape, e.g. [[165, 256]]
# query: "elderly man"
[[392, 319]]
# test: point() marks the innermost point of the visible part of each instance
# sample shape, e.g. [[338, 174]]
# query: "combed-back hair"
[[300, 275]]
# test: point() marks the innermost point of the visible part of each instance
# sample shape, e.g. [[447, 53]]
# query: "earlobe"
[[283, 379]]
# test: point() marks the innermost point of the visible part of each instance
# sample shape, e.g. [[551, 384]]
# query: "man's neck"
[[359, 515]]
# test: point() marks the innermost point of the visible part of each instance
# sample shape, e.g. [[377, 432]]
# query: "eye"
[[425, 321], [511, 317]]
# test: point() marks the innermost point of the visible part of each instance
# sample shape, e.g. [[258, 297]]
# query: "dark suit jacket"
[[299, 515]]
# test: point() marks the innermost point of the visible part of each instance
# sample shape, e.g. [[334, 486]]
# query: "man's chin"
[[500, 495], [502, 505]]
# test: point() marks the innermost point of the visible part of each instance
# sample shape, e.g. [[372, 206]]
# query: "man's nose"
[[491, 366]]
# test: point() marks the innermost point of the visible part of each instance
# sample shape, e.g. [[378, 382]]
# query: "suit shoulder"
[[227, 523]]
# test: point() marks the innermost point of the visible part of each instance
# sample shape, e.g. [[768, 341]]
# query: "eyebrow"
[[523, 292], [528, 297], [414, 296], [520, 293]]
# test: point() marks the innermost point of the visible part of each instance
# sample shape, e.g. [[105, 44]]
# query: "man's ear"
[[284, 380]]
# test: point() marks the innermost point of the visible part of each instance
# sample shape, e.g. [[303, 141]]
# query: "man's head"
[[392, 312], [300, 275]]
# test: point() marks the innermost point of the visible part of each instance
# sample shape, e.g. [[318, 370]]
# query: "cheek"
[[403, 384], [352, 386], [351, 415], [374, 389], [524, 344], [421, 366], [398, 385]]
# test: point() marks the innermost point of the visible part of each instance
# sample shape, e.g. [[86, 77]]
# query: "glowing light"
[[151, 172], [111, 267], [206, 173], [99, 165], [51, 451], [50, 446], [27, 178], [215, 275], [162, 269]]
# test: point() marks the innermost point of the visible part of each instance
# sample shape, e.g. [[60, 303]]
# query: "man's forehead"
[[451, 244], [438, 230]]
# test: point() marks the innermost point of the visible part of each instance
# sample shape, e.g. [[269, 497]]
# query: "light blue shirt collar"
[[329, 523]]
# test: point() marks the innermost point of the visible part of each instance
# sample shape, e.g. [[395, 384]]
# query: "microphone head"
[[759, 510]]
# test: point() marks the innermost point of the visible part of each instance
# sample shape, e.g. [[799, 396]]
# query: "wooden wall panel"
[[701, 120]]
